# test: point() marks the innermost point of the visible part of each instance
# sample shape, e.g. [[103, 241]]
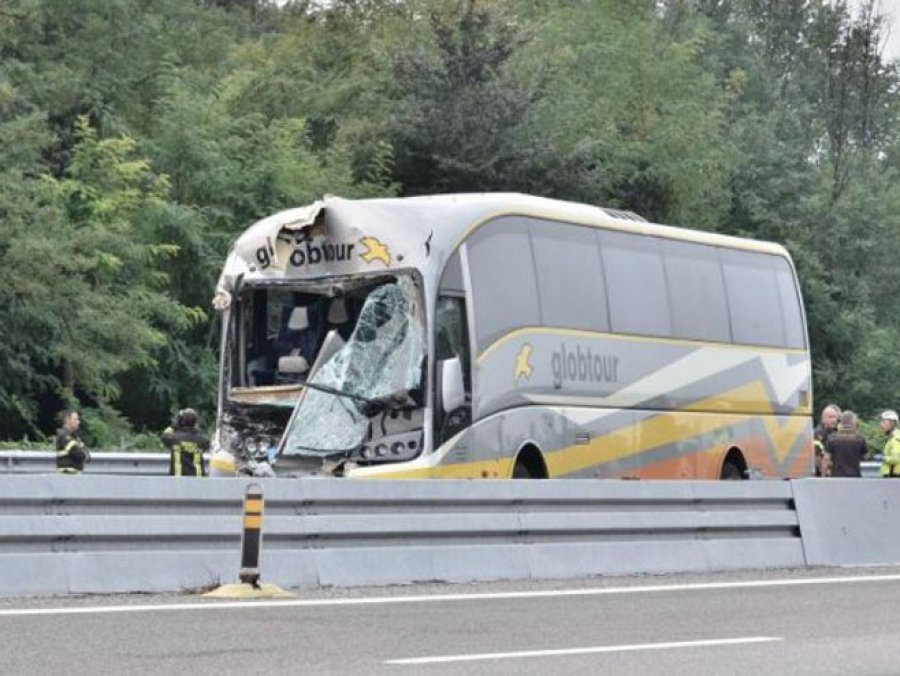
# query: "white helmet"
[[890, 415]]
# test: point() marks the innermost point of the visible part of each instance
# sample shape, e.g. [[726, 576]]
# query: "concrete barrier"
[[67, 534], [104, 534], [848, 521]]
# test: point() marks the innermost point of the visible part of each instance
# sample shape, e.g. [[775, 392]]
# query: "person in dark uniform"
[[186, 445], [828, 423], [71, 453], [846, 447]]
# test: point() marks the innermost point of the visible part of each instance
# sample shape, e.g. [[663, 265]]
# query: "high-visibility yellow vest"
[[891, 464]]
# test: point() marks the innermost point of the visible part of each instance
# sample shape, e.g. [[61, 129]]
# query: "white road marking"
[[209, 604], [633, 647]]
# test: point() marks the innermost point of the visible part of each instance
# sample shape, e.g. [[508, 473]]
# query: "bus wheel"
[[733, 469], [521, 471], [529, 465]]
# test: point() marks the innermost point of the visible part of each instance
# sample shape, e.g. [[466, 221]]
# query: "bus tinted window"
[[636, 280], [753, 297], [452, 279], [569, 276], [696, 292], [504, 292], [791, 313]]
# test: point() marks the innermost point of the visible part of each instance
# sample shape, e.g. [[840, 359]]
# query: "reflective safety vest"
[[186, 447], [891, 464], [820, 436], [71, 453]]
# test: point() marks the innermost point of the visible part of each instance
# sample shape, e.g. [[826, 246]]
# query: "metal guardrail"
[[871, 470], [102, 462], [76, 534], [113, 462]]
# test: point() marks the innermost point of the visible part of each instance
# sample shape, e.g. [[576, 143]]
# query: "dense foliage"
[[137, 137]]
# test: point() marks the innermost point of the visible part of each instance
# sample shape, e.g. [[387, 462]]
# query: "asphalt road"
[[830, 622]]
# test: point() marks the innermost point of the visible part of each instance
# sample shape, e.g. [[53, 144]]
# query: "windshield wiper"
[[337, 392]]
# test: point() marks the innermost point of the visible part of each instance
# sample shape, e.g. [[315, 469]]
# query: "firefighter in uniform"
[[890, 466], [71, 453], [186, 445]]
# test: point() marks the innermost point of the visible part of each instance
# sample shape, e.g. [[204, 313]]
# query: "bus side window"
[[791, 311], [451, 339], [754, 298], [636, 281], [504, 286]]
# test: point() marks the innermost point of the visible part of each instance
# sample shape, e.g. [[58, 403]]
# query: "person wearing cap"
[[186, 445], [890, 466], [846, 447], [828, 424]]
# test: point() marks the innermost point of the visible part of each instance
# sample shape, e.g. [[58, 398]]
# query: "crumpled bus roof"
[[336, 236]]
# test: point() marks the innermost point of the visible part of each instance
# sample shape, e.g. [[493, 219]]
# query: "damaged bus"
[[502, 335]]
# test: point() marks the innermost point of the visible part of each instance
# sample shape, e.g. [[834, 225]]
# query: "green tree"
[[631, 112], [813, 124], [84, 274], [457, 102]]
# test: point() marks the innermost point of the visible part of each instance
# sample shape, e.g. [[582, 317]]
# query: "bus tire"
[[520, 471], [733, 468], [529, 464]]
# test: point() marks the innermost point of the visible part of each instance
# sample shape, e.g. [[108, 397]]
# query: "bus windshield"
[[379, 367]]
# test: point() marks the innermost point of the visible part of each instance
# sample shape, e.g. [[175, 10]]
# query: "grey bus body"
[[498, 335]]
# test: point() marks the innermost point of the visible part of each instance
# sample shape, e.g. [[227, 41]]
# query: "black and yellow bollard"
[[251, 540], [251, 548]]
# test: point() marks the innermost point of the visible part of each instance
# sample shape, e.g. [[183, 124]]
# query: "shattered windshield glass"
[[380, 364]]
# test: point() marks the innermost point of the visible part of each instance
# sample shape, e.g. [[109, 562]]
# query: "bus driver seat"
[[337, 312], [338, 319], [293, 365]]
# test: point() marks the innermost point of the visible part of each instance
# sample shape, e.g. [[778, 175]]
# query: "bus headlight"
[[394, 447], [259, 447]]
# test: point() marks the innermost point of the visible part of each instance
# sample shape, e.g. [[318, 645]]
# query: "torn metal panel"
[[265, 245]]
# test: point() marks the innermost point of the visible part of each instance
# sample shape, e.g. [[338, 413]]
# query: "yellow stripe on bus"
[[628, 338], [780, 429], [480, 469], [665, 429]]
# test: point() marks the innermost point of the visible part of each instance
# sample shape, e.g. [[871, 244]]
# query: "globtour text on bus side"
[[582, 365]]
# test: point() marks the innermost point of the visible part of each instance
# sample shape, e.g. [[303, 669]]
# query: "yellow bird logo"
[[375, 251], [523, 367]]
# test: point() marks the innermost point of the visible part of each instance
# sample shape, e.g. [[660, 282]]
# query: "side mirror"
[[453, 391]]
